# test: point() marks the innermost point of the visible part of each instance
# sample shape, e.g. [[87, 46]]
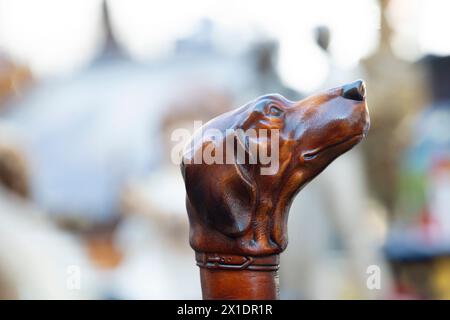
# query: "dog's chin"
[[332, 150]]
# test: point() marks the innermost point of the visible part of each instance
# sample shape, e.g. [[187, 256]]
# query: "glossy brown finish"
[[234, 209], [235, 285], [14, 171]]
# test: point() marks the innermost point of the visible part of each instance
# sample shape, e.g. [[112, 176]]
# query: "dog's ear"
[[225, 202], [236, 203]]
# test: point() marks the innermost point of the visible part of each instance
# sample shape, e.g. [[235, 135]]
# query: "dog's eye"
[[275, 111]]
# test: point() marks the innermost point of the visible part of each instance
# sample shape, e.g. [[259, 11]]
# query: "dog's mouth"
[[340, 147]]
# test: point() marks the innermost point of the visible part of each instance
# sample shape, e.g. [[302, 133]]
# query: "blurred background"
[[91, 207]]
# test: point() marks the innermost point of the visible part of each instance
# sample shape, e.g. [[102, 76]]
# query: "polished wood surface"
[[238, 214], [235, 285]]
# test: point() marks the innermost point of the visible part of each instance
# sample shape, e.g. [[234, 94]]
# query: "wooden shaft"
[[228, 276], [239, 284]]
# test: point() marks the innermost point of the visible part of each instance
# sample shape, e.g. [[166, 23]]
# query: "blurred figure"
[[397, 91], [425, 167], [420, 237]]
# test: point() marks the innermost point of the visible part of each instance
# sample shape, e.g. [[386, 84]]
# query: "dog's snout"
[[354, 91]]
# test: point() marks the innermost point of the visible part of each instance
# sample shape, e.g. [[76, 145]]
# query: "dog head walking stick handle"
[[242, 171]]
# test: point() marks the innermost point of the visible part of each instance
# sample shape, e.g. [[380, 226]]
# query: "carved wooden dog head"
[[232, 206]]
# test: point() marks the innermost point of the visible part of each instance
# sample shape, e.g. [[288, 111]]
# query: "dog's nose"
[[354, 91]]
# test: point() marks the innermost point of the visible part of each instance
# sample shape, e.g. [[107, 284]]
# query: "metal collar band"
[[237, 262]]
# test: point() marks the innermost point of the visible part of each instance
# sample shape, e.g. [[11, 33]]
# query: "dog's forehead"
[[275, 97]]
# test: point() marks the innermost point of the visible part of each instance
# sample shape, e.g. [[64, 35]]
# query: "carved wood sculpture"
[[238, 213]]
